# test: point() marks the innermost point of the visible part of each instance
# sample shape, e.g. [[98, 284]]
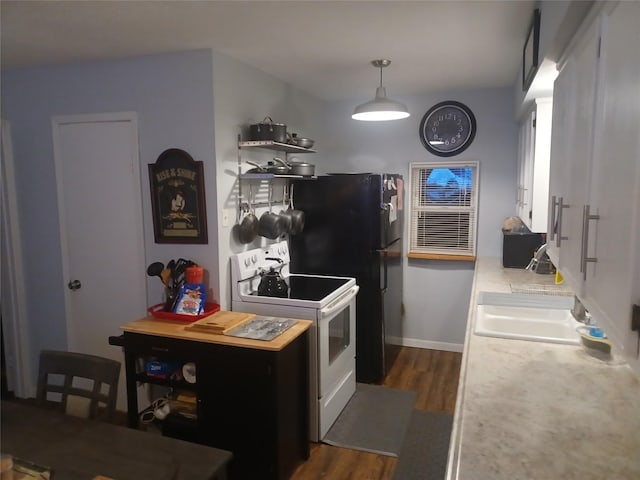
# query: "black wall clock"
[[447, 128]]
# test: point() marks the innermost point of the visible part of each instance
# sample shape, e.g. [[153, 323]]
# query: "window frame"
[[415, 168]]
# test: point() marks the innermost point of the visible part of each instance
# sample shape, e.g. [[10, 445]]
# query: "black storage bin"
[[518, 248]]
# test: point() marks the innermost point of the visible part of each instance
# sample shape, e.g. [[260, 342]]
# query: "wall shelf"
[[286, 148], [277, 146], [271, 176]]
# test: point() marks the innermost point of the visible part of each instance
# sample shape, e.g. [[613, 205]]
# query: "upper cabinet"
[[533, 165], [594, 221], [571, 153]]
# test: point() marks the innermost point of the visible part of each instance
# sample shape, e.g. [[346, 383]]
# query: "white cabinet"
[[571, 152], [533, 165], [594, 220], [612, 238]]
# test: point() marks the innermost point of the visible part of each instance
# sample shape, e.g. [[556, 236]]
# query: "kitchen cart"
[[251, 395]]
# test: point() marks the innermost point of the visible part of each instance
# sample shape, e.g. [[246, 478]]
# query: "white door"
[[100, 208]]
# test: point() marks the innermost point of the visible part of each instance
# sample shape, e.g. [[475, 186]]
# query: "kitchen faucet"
[[537, 256]]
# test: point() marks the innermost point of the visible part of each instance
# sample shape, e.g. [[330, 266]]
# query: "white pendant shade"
[[380, 108]]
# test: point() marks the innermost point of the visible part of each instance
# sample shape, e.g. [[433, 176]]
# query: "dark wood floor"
[[432, 374]]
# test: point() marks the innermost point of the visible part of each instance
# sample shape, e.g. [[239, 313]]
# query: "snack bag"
[[191, 299]]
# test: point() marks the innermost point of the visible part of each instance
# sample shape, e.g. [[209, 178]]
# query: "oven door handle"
[[339, 303]]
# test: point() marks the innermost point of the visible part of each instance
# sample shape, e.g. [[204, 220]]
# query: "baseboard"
[[427, 344]]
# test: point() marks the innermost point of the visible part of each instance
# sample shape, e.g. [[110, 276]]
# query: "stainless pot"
[[270, 167], [267, 130], [304, 142], [294, 139], [301, 167]]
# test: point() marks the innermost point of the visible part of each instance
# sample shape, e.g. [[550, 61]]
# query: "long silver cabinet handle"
[[561, 206], [586, 218], [551, 222]]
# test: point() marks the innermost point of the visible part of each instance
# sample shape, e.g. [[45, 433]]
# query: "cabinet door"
[[561, 133], [525, 168], [539, 183], [579, 153], [614, 238]]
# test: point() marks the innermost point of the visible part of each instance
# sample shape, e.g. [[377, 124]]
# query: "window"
[[443, 210]]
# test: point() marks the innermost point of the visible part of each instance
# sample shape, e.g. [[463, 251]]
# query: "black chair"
[[70, 365]]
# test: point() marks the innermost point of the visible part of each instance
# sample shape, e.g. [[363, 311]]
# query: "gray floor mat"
[[424, 451], [375, 420]]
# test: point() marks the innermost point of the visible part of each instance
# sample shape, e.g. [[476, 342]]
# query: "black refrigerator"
[[353, 227]]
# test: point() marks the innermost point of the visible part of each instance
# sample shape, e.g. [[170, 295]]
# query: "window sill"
[[442, 256]]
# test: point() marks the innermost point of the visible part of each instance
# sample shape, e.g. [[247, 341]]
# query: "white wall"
[[244, 95], [173, 97], [436, 293]]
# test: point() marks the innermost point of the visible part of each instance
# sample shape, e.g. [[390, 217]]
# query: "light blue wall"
[[244, 95], [173, 97], [200, 101], [436, 293]]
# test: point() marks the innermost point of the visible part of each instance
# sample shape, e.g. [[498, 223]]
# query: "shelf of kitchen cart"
[[181, 384], [271, 145]]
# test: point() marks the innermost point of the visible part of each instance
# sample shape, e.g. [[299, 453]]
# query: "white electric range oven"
[[330, 302]]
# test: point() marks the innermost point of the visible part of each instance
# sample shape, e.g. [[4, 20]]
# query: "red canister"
[[194, 274]]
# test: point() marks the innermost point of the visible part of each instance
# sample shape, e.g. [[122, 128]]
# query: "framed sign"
[[177, 198], [530, 59]]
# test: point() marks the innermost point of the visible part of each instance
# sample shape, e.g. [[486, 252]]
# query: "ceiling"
[[321, 47]]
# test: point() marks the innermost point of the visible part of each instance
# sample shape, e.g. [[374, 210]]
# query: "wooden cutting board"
[[220, 322]]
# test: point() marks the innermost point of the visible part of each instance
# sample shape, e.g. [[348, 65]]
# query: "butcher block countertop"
[[540, 411], [176, 329]]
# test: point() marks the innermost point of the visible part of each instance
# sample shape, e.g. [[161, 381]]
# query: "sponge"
[[601, 344]]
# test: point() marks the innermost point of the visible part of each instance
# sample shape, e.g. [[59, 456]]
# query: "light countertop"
[[532, 410]]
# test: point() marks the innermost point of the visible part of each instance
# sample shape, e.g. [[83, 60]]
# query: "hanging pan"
[[248, 226]]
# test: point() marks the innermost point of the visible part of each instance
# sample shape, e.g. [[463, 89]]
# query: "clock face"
[[448, 128]]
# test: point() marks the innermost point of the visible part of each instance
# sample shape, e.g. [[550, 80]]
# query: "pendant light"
[[380, 108]]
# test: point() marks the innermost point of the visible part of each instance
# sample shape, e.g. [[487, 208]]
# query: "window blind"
[[443, 210]]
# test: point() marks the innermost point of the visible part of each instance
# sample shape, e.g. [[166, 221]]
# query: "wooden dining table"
[[77, 448]]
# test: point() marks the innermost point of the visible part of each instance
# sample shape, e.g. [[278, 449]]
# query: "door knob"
[[74, 285]]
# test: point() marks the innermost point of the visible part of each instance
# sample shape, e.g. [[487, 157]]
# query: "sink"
[[538, 318]]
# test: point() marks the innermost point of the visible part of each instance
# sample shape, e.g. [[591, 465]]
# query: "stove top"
[[305, 290], [305, 287]]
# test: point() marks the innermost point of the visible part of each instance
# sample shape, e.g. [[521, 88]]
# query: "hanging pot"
[[285, 215], [267, 130], [297, 216], [270, 225], [248, 226]]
